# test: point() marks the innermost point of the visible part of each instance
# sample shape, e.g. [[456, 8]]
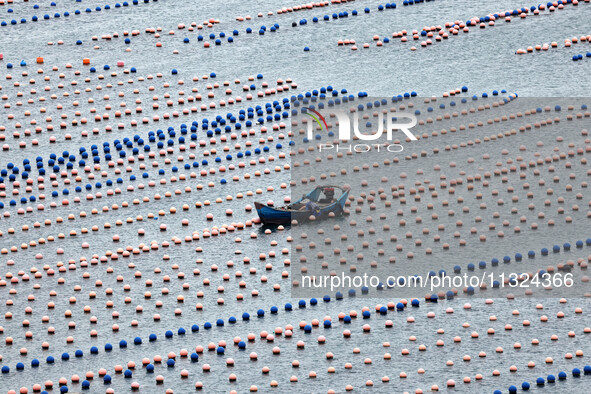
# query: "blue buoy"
[[544, 251], [576, 372]]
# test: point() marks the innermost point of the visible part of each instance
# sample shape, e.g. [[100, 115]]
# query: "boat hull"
[[270, 215]]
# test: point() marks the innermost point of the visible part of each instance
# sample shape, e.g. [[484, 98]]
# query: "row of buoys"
[[580, 56], [435, 34], [544, 47], [525, 386], [217, 39], [295, 8], [345, 14], [66, 14]]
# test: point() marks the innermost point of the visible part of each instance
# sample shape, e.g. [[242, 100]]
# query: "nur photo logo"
[[401, 122]]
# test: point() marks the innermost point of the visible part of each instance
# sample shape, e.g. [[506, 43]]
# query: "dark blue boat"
[[319, 203]]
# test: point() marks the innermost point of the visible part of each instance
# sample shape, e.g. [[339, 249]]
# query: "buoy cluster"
[[430, 35], [295, 8], [68, 14], [568, 42], [580, 56]]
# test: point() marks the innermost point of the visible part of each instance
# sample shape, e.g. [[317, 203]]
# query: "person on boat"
[[312, 207], [328, 196]]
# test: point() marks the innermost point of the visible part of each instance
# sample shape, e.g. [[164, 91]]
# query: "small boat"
[[319, 203]]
